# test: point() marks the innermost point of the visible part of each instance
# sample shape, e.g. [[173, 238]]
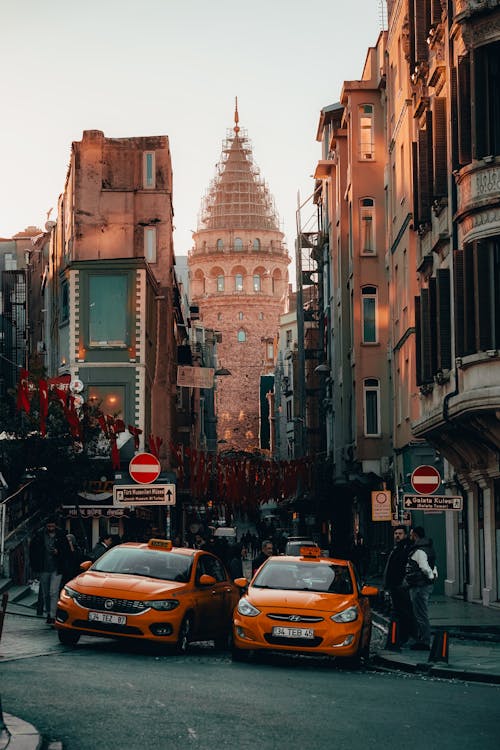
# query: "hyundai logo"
[[109, 604], [294, 618]]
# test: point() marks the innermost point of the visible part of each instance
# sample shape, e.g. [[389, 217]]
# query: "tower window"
[[369, 314], [220, 245], [371, 398], [256, 244], [220, 283], [256, 283], [238, 244], [238, 282], [148, 179], [366, 133], [242, 335]]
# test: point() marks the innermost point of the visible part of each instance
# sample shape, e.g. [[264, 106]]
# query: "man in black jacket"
[[421, 572], [49, 554], [401, 609]]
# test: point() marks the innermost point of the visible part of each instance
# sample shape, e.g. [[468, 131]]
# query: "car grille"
[[107, 627], [102, 604], [292, 642], [294, 618]]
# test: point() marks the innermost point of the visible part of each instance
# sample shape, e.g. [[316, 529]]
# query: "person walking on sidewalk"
[[267, 551], [49, 555], [394, 573], [421, 572]]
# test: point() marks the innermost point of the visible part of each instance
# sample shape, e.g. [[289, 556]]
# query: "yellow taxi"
[[304, 604], [150, 592]]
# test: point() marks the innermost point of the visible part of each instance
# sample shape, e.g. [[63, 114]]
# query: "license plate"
[[293, 632], [104, 617]]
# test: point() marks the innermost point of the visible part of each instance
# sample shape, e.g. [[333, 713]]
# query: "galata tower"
[[238, 271]]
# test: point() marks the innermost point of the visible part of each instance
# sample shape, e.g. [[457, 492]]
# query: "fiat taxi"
[[304, 604], [151, 592]]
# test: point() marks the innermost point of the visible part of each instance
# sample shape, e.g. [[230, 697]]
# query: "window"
[[256, 282], [220, 283], [108, 295], [238, 244], [367, 228], [366, 138], [270, 351], [220, 245], [238, 282], [150, 244], [256, 244], [148, 178], [261, 316], [219, 316], [64, 300], [371, 398], [369, 314], [10, 262], [241, 336], [487, 102], [240, 316]]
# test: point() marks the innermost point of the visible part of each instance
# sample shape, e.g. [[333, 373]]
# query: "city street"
[[116, 695]]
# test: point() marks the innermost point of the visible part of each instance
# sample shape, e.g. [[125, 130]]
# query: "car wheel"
[[239, 654], [68, 638], [182, 646]]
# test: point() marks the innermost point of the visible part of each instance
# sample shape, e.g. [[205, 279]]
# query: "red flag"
[[135, 432], [43, 392], [23, 402]]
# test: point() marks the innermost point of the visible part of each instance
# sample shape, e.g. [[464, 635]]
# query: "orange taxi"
[[304, 604], [151, 592]]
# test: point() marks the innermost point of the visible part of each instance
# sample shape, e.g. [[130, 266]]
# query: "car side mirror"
[[85, 565], [369, 591], [206, 580], [242, 583]]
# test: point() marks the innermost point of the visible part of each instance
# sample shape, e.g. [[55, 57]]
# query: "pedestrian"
[[394, 573], [267, 551], [420, 574], [237, 557], [105, 542], [75, 557], [360, 555], [49, 554]]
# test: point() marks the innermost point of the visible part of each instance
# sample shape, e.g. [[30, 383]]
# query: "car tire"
[[223, 642], [239, 654], [68, 637], [182, 646]]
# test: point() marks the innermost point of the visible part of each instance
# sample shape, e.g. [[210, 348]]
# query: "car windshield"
[[305, 576], [166, 566]]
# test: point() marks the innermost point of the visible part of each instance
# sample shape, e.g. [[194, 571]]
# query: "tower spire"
[[236, 117]]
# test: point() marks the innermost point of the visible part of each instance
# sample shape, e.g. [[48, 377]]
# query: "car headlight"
[[245, 608], [70, 592], [347, 615], [163, 605]]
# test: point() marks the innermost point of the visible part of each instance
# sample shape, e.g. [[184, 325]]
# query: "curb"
[[435, 671], [20, 735]]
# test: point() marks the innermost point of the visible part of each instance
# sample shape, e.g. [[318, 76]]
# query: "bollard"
[[3, 608], [392, 643], [439, 647]]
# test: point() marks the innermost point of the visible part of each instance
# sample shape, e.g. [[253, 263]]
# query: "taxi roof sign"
[[310, 551], [165, 544]]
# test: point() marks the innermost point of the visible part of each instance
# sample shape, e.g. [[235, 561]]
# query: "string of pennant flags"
[[58, 389]]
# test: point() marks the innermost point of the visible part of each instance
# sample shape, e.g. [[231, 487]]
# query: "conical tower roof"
[[238, 198]]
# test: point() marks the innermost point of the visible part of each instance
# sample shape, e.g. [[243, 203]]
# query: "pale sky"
[[172, 67]]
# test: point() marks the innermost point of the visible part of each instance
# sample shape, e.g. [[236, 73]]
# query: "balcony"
[[467, 8], [478, 192]]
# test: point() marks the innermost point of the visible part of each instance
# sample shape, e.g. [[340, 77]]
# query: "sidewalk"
[[473, 640]]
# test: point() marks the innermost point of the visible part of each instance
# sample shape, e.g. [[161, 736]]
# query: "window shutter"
[[418, 342], [439, 134], [436, 12], [464, 111], [433, 325], [426, 336], [443, 305], [469, 304], [424, 188], [411, 34], [482, 284], [480, 145], [422, 24], [414, 165], [454, 119], [458, 284]]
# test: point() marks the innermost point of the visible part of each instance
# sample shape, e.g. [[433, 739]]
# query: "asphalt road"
[[113, 696]]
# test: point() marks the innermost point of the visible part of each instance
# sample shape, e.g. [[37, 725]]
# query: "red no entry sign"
[[425, 479], [144, 468]]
